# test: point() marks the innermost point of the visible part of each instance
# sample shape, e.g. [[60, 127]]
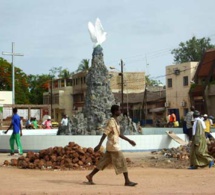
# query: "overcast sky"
[[53, 33]]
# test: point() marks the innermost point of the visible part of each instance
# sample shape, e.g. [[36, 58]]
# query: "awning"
[[160, 109]]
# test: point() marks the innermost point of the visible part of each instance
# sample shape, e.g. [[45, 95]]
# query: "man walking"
[[64, 125], [17, 132], [113, 153], [189, 122], [199, 156], [208, 127]]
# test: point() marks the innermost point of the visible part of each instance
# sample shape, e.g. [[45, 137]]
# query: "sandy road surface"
[[150, 180]]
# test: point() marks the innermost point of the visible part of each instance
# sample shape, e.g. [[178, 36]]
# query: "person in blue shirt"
[[17, 132]]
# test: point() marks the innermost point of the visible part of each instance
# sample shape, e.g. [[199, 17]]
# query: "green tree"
[[38, 84], [152, 82], [5, 75], [191, 50], [55, 71], [59, 72], [84, 65], [65, 74], [21, 87], [21, 82]]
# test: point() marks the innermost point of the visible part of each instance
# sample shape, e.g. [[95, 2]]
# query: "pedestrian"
[[168, 120], [199, 156], [113, 153], [63, 129], [47, 124], [29, 124], [208, 127], [35, 123], [189, 122], [172, 119], [17, 132]]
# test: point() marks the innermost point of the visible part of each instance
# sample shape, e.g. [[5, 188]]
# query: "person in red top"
[[172, 119], [47, 124]]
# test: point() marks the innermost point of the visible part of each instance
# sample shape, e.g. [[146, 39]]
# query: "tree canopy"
[[38, 84], [59, 72], [191, 50], [21, 82], [84, 65], [152, 82]]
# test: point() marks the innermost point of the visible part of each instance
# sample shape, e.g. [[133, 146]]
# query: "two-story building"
[[178, 81], [66, 96], [59, 97], [202, 91]]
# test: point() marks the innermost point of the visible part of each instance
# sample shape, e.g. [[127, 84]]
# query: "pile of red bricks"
[[71, 156]]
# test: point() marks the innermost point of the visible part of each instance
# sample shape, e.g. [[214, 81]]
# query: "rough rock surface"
[[98, 101], [99, 97]]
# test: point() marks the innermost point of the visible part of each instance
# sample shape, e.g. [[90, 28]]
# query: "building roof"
[[206, 66], [139, 97], [204, 73]]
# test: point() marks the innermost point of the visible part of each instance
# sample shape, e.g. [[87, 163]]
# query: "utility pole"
[[13, 72], [51, 94], [122, 84]]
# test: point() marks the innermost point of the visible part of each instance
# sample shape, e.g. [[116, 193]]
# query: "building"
[[202, 91], [66, 96], [133, 82], [178, 82], [59, 97], [5, 97], [146, 107], [79, 91]]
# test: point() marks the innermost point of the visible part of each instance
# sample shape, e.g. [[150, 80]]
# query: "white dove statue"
[[97, 33]]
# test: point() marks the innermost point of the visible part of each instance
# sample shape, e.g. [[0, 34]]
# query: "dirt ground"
[[155, 174]]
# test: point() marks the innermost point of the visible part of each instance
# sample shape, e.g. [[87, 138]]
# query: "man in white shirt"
[[189, 122], [63, 128], [64, 121], [199, 156]]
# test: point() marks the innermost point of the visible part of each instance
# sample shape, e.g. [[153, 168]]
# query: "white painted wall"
[[39, 142], [5, 97]]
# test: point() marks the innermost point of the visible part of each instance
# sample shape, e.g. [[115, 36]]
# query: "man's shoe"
[[131, 184], [11, 154], [211, 163]]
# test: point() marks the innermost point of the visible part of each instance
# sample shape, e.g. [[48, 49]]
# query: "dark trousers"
[[208, 135], [190, 133]]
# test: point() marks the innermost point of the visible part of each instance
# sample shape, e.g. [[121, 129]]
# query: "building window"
[[169, 83], [62, 83], [185, 81], [46, 99], [56, 84], [68, 82], [56, 99]]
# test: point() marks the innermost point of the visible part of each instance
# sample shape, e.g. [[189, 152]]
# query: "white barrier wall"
[[39, 142]]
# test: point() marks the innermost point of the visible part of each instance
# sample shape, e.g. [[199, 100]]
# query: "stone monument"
[[99, 97]]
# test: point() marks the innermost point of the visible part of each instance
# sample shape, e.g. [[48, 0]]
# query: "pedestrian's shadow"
[[58, 181], [79, 183], [97, 184]]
